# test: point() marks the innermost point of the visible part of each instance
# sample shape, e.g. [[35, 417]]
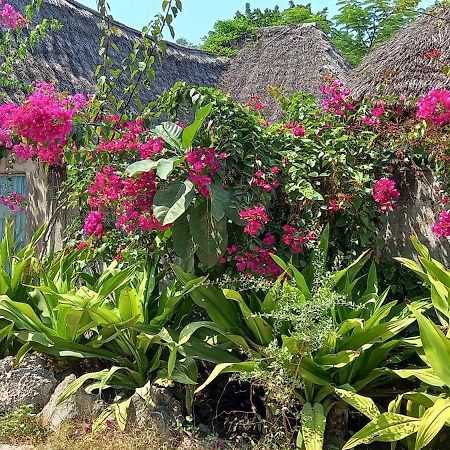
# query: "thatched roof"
[[70, 55], [402, 63], [293, 57]]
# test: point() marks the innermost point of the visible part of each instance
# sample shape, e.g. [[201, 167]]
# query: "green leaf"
[[219, 201], [435, 345], [172, 202], [130, 305], [261, 330], [170, 132], [426, 375], [363, 404], [313, 426], [337, 360], [432, 422], [210, 235], [387, 427], [183, 242], [163, 166], [190, 132], [244, 367]]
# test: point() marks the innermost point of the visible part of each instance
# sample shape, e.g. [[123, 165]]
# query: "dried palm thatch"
[[70, 55], [292, 57], [401, 64]]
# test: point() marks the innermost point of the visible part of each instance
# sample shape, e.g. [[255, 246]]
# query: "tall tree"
[[362, 24]]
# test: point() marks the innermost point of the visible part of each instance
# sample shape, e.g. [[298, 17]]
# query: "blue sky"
[[198, 16]]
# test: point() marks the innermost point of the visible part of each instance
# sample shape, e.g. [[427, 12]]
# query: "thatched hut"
[[70, 57], [292, 57], [411, 62]]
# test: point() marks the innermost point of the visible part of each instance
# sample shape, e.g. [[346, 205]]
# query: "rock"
[[28, 384], [155, 408], [80, 406]]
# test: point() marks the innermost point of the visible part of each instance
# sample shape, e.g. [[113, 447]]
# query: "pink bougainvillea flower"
[[42, 123], [385, 193], [203, 164], [295, 239], [255, 103], [11, 18], [93, 225], [255, 218], [336, 97], [435, 107], [334, 205], [441, 228], [82, 245], [269, 239]]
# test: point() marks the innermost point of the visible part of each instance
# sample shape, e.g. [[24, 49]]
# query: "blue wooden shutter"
[[9, 184]]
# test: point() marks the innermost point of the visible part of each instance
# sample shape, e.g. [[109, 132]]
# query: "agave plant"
[[343, 370], [426, 411]]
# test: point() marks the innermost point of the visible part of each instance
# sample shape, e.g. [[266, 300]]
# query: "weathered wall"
[[416, 212], [42, 188]]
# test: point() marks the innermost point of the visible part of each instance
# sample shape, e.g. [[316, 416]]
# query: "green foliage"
[[312, 342], [226, 35], [428, 409], [20, 425], [361, 25]]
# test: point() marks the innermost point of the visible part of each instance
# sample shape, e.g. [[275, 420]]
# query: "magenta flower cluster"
[[132, 137], [295, 239], [441, 228], [41, 125], [385, 193], [131, 199], [10, 17], [336, 98], [266, 181], [203, 164], [254, 218], [435, 107], [13, 201]]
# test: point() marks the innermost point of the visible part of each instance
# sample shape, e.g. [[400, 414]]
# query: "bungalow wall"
[[40, 188]]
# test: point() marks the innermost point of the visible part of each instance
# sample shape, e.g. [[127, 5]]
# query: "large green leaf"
[[387, 427], [219, 309], [210, 235], [427, 375], [313, 426], [261, 330], [243, 367], [130, 305], [183, 242], [190, 132], [172, 202], [170, 132], [432, 422], [163, 166], [363, 404], [436, 346], [219, 201]]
